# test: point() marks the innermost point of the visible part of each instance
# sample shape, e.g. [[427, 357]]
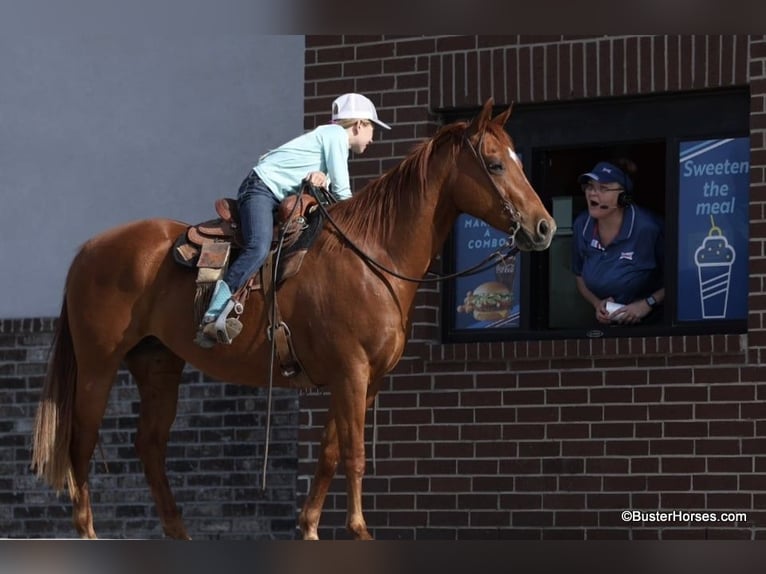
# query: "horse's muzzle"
[[537, 238]]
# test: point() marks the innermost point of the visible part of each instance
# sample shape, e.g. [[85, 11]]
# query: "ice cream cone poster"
[[489, 299], [714, 181]]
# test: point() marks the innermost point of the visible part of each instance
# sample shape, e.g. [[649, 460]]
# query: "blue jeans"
[[257, 207]]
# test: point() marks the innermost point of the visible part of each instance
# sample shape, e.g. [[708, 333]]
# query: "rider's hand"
[[317, 179]]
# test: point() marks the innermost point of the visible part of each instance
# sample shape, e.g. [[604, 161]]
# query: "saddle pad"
[[185, 253]]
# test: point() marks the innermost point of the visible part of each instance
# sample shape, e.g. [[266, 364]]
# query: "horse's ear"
[[502, 119], [479, 123]]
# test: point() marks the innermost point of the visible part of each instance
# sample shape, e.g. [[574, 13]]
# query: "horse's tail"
[[51, 459]]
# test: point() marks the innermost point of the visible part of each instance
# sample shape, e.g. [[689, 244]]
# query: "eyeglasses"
[[598, 188]]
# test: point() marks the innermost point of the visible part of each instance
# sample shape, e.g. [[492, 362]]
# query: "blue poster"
[[490, 299], [714, 183]]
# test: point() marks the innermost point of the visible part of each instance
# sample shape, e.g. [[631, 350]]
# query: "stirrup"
[[226, 328], [210, 333], [223, 330]]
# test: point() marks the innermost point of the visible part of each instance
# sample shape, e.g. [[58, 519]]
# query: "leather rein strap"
[[281, 340], [488, 262]]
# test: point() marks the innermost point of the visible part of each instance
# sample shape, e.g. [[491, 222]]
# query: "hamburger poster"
[[490, 299]]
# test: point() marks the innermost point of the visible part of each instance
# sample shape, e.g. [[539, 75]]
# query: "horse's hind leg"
[[157, 372], [94, 385]]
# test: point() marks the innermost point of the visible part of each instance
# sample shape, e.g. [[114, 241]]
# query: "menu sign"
[[489, 299]]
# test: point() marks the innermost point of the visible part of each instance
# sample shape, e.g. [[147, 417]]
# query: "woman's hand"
[[317, 179], [631, 314], [602, 315]]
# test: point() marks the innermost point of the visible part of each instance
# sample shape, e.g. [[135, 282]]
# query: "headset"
[[625, 198]]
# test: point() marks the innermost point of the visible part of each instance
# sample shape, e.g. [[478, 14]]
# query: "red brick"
[[627, 448], [687, 49], [537, 414], [625, 483], [565, 67], [519, 431], [732, 392], [673, 376], [685, 429], [646, 65], [674, 72], [732, 428], [714, 482], [716, 411], [670, 412], [682, 465], [419, 46], [613, 430], [313, 41], [618, 67], [380, 51], [672, 446], [581, 378], [578, 70], [668, 483], [740, 64], [568, 430], [537, 68], [659, 66], [720, 446], [631, 64], [700, 62], [644, 465]]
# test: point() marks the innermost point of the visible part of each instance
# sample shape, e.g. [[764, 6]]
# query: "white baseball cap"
[[355, 107]]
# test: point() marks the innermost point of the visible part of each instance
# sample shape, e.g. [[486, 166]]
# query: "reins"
[[273, 314], [503, 253]]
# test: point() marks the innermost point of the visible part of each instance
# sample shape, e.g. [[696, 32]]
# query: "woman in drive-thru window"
[[618, 248]]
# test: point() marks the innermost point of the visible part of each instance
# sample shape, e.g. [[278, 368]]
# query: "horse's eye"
[[495, 167]]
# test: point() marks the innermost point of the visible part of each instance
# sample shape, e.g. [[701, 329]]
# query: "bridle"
[[508, 207], [492, 259]]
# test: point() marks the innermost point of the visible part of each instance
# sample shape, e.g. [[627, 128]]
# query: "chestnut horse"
[[127, 300]]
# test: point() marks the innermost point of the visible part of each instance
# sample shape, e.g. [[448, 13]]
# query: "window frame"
[[536, 129]]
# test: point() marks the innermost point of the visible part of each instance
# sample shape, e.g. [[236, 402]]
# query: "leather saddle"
[[210, 245]]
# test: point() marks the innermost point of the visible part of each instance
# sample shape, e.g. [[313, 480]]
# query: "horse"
[[127, 302]]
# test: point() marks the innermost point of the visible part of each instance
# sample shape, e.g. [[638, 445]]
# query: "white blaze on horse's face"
[[514, 157]]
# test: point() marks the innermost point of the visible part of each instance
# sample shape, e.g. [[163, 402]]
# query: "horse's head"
[[491, 184]]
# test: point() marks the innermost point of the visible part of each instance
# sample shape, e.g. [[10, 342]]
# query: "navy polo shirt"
[[630, 267]]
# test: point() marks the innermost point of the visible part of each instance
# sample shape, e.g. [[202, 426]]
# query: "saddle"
[[211, 245], [208, 245]]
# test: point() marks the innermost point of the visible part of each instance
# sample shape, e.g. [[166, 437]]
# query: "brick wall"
[[215, 456], [551, 439]]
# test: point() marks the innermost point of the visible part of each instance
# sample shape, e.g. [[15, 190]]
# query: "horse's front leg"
[[349, 406], [327, 464]]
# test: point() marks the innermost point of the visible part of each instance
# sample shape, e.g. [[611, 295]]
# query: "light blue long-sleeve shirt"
[[323, 149]]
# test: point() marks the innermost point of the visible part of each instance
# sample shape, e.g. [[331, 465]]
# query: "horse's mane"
[[367, 215]]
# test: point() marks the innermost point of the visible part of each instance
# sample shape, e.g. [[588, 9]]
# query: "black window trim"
[[733, 105]]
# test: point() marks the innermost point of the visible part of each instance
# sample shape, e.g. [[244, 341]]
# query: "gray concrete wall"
[[109, 115]]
